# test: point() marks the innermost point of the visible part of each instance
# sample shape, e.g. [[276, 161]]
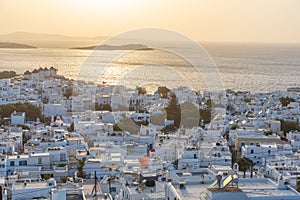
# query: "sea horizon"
[[246, 67]]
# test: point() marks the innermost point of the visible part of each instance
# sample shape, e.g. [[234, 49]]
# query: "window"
[[113, 189], [62, 157], [40, 161], [252, 151], [23, 163], [12, 163], [235, 166], [269, 151]]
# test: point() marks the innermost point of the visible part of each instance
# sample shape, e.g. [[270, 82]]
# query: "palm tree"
[[80, 167], [245, 164]]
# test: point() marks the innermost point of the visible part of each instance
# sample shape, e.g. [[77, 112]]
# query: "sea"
[[240, 66]]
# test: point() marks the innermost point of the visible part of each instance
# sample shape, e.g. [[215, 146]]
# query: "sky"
[[202, 20]]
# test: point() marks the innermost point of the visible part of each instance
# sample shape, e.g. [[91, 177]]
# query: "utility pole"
[[109, 184], [1, 192], [251, 170], [94, 191]]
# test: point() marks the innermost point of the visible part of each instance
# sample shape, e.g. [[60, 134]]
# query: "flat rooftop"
[[39, 154], [192, 191], [18, 156], [30, 185], [260, 187], [73, 139]]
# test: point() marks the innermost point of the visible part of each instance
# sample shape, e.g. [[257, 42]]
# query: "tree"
[[103, 107], [286, 100], [173, 110], [63, 179], [287, 126], [209, 103], [205, 115], [46, 176], [45, 101], [71, 128], [116, 128], [245, 164], [141, 90], [234, 127], [268, 133], [46, 120], [248, 100], [25, 139], [163, 90], [32, 111], [68, 92]]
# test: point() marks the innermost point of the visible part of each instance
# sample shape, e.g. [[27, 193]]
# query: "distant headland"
[[15, 45], [112, 47]]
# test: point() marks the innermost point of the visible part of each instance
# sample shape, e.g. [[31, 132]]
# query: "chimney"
[[182, 185]]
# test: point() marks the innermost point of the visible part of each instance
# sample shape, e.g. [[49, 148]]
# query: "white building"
[[274, 125], [58, 155], [294, 138], [30, 190], [18, 118], [147, 130], [140, 117], [39, 159], [217, 155], [189, 159], [258, 152]]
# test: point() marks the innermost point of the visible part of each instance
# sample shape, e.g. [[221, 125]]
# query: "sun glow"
[[106, 5], [214, 20]]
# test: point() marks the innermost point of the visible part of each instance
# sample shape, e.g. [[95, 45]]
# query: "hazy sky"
[[203, 20]]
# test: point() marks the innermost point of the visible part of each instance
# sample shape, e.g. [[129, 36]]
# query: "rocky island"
[[115, 47]]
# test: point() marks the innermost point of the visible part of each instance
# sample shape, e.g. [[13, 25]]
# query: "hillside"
[[15, 45]]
